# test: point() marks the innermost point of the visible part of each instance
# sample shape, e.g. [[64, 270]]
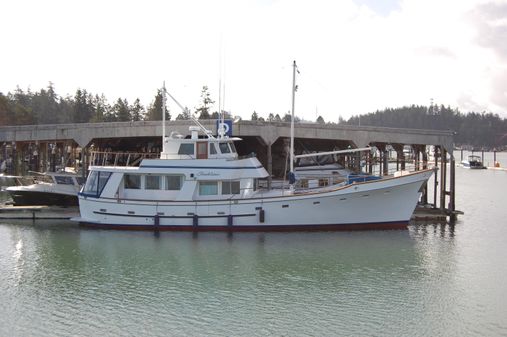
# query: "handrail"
[[108, 158]]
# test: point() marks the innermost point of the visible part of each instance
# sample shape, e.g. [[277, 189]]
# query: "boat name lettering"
[[209, 173]]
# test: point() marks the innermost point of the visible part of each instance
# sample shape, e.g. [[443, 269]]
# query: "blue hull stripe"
[[174, 216]]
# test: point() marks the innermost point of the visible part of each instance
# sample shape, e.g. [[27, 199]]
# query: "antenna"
[[221, 92], [163, 116], [294, 88]]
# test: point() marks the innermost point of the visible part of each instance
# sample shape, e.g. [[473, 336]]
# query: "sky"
[[353, 56]]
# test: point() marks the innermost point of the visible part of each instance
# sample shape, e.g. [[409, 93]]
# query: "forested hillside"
[[46, 107], [475, 129]]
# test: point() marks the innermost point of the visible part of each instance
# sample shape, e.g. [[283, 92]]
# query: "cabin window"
[[173, 183], [208, 188], [96, 182], [103, 178], [233, 148], [64, 180], [152, 182], [224, 148], [323, 182], [230, 187], [132, 181], [92, 183], [186, 149], [212, 148]]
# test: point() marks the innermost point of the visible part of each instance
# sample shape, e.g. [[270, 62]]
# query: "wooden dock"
[[38, 212], [429, 214]]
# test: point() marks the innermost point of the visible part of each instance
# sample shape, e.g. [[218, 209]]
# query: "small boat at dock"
[[473, 162], [50, 188]]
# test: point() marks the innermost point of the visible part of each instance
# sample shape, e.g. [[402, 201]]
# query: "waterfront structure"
[[74, 144]]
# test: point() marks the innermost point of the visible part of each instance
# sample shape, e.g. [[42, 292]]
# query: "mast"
[[292, 117], [163, 116]]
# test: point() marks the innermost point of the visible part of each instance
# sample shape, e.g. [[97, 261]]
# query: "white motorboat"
[[473, 162], [200, 183], [51, 188]]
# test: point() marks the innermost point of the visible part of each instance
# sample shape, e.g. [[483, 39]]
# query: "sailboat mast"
[[292, 118], [163, 114]]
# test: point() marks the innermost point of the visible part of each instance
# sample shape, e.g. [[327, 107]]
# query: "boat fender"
[[195, 220], [229, 220], [261, 216]]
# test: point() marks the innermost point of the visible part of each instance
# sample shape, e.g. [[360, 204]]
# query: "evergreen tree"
[[320, 120], [21, 107], [101, 107], [137, 111], [254, 116], [155, 110], [6, 115], [122, 111], [83, 108], [206, 103]]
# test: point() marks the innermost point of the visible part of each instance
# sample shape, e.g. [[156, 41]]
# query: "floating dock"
[[38, 212], [66, 213]]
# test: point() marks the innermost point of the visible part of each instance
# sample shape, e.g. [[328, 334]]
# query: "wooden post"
[[424, 198], [370, 162], [443, 169], [385, 162], [435, 176], [270, 165], [418, 158], [452, 181]]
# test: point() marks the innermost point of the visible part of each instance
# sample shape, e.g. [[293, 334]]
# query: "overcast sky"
[[354, 56]]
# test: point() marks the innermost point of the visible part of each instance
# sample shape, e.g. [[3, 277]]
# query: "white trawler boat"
[[200, 183]]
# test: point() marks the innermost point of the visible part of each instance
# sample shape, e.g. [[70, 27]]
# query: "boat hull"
[[380, 204], [31, 198]]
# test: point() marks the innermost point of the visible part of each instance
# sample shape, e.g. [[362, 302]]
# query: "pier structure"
[[48, 147]]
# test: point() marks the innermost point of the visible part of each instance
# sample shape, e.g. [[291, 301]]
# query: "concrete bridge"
[[268, 132]]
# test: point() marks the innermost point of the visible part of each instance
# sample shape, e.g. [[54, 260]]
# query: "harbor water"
[[58, 279]]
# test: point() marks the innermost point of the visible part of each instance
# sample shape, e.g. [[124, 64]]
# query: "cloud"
[[491, 22]]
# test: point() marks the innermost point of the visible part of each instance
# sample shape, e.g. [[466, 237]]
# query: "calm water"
[[432, 280]]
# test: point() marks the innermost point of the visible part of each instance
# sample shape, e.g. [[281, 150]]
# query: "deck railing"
[[98, 158]]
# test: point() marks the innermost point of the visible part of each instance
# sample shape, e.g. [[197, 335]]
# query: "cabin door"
[[202, 150]]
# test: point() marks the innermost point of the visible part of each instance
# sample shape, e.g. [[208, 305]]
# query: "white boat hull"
[[386, 203]]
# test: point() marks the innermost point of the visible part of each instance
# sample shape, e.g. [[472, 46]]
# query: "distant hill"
[[484, 130]]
